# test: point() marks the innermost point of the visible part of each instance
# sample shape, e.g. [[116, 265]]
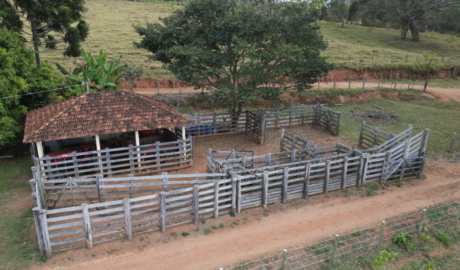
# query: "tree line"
[[412, 16]]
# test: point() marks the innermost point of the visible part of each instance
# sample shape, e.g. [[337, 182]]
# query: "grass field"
[[18, 248], [111, 29]]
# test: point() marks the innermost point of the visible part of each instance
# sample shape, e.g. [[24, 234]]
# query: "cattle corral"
[[301, 165]]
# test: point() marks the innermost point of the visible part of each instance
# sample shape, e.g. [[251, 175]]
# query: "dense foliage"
[[240, 50], [18, 76], [49, 24]]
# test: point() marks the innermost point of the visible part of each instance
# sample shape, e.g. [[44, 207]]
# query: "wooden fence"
[[380, 141], [147, 159], [289, 142], [255, 123], [89, 224], [248, 181]]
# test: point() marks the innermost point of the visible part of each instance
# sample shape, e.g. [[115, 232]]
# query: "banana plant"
[[101, 74]]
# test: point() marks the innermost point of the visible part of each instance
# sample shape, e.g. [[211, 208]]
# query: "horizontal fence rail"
[[150, 158]]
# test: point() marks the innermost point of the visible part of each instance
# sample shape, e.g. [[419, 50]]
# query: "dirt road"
[[444, 94], [287, 226]]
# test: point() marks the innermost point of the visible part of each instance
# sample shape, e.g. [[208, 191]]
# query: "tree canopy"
[[18, 76], [51, 24], [240, 50]]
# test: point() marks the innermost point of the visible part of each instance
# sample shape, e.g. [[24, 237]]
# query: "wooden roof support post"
[[136, 134], [40, 153], [183, 138], [98, 148]]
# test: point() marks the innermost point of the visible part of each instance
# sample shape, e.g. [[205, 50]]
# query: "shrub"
[[444, 238], [207, 230], [232, 213], [184, 234], [385, 257], [400, 239], [203, 221], [221, 225], [214, 227], [425, 238], [265, 214]]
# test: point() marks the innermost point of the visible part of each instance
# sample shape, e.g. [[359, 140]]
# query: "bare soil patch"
[[374, 117]]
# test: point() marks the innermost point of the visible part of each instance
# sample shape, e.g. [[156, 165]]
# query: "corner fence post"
[[336, 243], [382, 228], [41, 245], [163, 211], [45, 234], [196, 204], [420, 225]]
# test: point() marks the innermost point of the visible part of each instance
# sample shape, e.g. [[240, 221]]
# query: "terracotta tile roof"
[[99, 113]]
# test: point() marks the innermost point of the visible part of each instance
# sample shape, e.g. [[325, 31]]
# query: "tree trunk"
[[342, 21], [35, 39], [404, 32], [415, 31]]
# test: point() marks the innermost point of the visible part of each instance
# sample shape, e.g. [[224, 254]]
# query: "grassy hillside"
[[111, 29]]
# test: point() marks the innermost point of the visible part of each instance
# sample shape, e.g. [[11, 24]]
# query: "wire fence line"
[[329, 252]]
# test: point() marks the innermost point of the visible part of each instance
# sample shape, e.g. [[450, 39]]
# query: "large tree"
[[339, 8], [18, 76], [47, 24], [240, 50], [411, 13]]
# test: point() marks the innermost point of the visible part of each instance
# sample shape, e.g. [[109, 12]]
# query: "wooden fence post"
[[196, 204], [214, 121], [425, 86], [277, 117], [264, 125], [100, 188], [290, 115], [293, 155], [365, 161], [337, 131], [376, 136], [294, 137], [75, 164], [233, 191], [165, 179], [452, 143], [424, 142], [239, 196], [285, 184], [87, 220], [334, 254], [457, 217], [247, 121], [405, 155], [45, 234], [422, 220], [267, 159], [335, 82], [216, 199], [283, 262], [344, 173], [128, 228], [131, 158], [39, 231], [163, 211], [265, 189], [283, 131], [307, 181], [131, 186], [303, 114], [386, 164], [328, 173]]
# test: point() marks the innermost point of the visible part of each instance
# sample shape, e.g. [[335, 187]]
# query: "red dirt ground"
[[297, 223]]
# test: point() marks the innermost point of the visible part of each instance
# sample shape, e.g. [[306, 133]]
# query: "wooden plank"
[[239, 196], [88, 233], [39, 230], [45, 233], [364, 171], [127, 214], [196, 210]]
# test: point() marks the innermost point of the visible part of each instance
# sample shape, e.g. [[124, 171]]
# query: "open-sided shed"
[[106, 129]]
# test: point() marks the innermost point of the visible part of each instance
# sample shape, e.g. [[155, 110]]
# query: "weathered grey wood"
[[306, 182], [131, 158], [127, 213], [337, 132], [361, 134], [100, 188], [131, 186], [239, 196], [386, 165], [39, 230], [216, 199], [293, 152], [196, 198], [285, 184], [344, 173], [265, 189], [88, 232], [74, 159], [282, 140], [405, 155], [45, 233], [423, 143], [234, 193], [165, 179], [277, 116], [267, 159], [452, 144], [328, 173], [163, 211], [365, 164]]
